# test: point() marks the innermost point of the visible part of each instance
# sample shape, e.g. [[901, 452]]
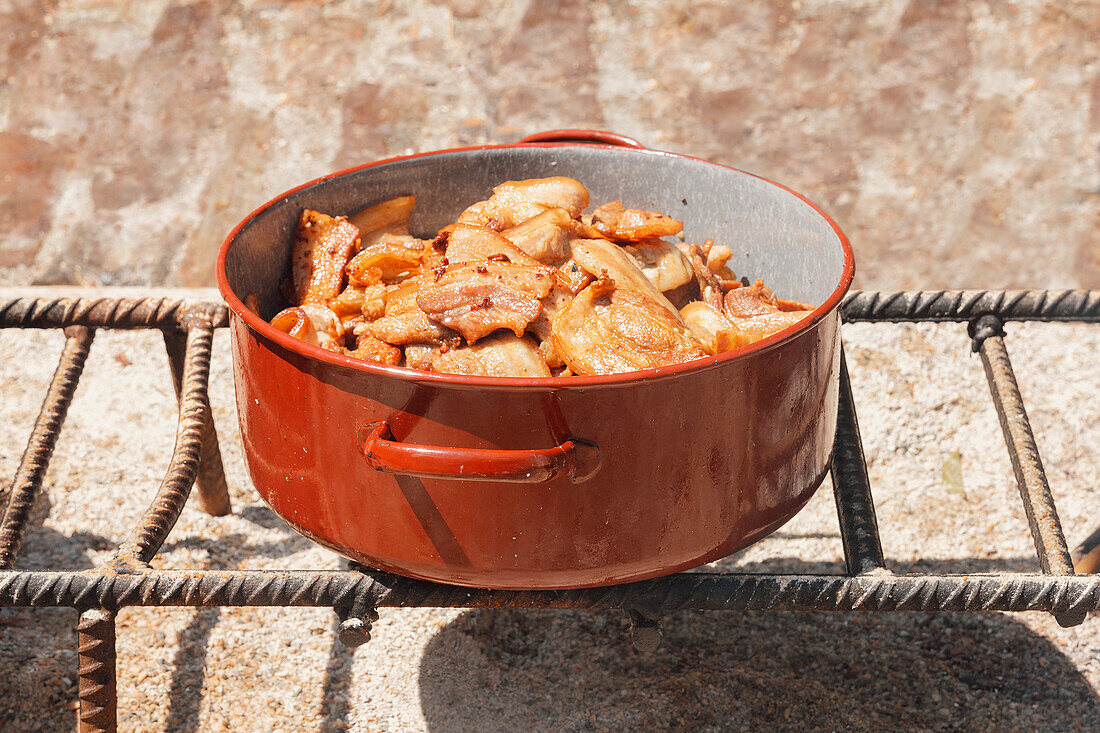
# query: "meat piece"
[[551, 306], [550, 354], [312, 323], [386, 261], [514, 202], [572, 277], [755, 328], [664, 265], [711, 327], [633, 225], [499, 355], [544, 236], [322, 246], [718, 255], [404, 322], [349, 302], [374, 300], [469, 243], [755, 300], [607, 330], [419, 356], [710, 287], [369, 348], [602, 258], [756, 313], [476, 299], [385, 217]]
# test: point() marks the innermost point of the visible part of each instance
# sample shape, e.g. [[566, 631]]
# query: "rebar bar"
[[194, 411], [683, 591], [47, 427], [96, 671], [1031, 478], [210, 481], [966, 305], [119, 313], [852, 489]]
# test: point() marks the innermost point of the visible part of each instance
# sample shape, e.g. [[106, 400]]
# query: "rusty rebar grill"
[[128, 580]]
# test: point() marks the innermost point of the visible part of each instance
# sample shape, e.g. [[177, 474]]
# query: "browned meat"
[[661, 262], [551, 305], [386, 217], [601, 258], [312, 323], [469, 243], [606, 330], [711, 327], [523, 284], [756, 313], [404, 322], [498, 355], [386, 261], [514, 202], [476, 299], [572, 277], [755, 300], [710, 287], [369, 348], [633, 225], [322, 246], [748, 330], [544, 236]]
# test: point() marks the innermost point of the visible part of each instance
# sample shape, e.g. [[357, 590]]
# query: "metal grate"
[[128, 580]]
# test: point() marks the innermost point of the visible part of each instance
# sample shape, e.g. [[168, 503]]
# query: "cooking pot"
[[550, 482]]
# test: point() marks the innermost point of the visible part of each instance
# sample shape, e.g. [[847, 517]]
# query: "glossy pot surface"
[[557, 482]]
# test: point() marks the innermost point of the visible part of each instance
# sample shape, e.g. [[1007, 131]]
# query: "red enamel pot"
[[555, 482]]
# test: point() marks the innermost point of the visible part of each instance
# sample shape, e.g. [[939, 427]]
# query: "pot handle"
[[594, 137], [579, 458]]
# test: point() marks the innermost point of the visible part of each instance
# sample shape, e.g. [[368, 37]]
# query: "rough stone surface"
[[946, 499], [956, 142]]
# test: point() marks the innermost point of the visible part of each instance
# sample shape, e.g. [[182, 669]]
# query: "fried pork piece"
[[552, 304], [390, 259], [710, 287], [755, 300], [322, 246], [711, 327], [386, 217], [718, 255], [349, 303], [633, 225], [470, 243], [756, 313], [755, 328], [601, 258], [476, 299], [664, 265], [369, 348], [312, 323], [544, 236], [514, 202], [572, 277], [404, 322], [607, 330], [499, 355]]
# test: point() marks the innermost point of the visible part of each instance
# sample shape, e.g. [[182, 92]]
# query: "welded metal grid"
[[128, 580]]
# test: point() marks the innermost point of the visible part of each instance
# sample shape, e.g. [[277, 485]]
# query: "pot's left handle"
[[580, 459]]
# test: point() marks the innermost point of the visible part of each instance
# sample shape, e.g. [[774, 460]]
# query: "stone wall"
[[957, 143]]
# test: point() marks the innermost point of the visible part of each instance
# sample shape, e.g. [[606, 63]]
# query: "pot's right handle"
[[580, 459], [597, 137]]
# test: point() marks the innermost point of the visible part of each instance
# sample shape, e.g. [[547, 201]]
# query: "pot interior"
[[774, 234]]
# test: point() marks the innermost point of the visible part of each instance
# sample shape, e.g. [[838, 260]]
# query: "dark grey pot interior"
[[774, 235]]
